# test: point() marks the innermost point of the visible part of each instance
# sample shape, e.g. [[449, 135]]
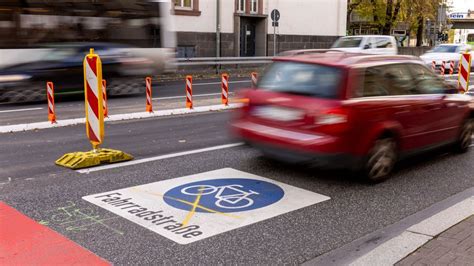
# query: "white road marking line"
[[21, 110], [184, 96], [215, 83], [157, 158], [118, 117], [397, 248]]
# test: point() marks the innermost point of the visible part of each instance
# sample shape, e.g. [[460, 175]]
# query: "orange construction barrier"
[[225, 89], [104, 98], [149, 103], [50, 96], [189, 92]]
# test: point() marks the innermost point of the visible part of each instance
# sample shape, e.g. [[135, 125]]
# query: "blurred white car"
[[446, 53], [367, 44]]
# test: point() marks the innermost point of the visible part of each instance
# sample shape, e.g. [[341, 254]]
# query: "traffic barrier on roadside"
[[93, 88], [149, 103], [225, 89], [451, 67], [442, 69], [254, 79], [50, 96], [104, 98], [433, 66], [189, 92], [464, 72]]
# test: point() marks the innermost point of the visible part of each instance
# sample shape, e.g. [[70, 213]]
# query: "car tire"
[[381, 160], [464, 140]]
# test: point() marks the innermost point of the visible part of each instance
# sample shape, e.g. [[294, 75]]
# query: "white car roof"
[[362, 36]]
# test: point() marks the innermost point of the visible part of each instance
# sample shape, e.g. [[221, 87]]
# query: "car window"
[[302, 79], [446, 49], [347, 42], [386, 80], [425, 81], [383, 42]]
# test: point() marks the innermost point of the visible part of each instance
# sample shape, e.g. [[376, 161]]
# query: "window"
[[426, 82], [253, 6], [185, 4], [241, 6], [381, 42], [347, 42], [386, 80], [302, 79]]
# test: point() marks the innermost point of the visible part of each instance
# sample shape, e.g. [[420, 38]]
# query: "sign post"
[[94, 108], [275, 15]]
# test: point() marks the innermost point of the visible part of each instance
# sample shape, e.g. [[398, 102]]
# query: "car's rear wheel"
[[381, 159], [464, 140]]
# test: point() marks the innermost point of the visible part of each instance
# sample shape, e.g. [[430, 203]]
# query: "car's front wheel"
[[464, 140], [381, 159]]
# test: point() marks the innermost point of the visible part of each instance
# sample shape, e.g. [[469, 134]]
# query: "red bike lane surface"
[[26, 242]]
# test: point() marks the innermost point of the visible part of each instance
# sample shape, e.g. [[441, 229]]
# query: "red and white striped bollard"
[[149, 102], [254, 79], [189, 92], [225, 89], [464, 72], [50, 96]]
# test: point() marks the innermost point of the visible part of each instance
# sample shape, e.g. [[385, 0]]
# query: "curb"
[[118, 117], [391, 244]]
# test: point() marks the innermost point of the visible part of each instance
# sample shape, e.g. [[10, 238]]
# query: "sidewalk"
[[454, 246]]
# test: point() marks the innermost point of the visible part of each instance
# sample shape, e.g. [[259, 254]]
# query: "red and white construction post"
[[149, 102], [50, 96], [464, 72], [254, 79], [433, 66], [225, 89], [189, 92], [104, 98], [451, 67], [94, 101], [442, 69]]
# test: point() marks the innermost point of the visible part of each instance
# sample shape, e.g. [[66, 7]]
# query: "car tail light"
[[332, 121]]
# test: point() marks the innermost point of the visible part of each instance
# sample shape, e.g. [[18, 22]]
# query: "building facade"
[[207, 28]]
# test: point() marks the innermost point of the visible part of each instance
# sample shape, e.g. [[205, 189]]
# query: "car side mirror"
[[366, 47]]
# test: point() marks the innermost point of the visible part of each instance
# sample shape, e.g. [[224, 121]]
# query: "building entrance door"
[[247, 36]]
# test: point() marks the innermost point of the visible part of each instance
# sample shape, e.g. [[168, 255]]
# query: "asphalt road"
[[166, 95], [31, 183]]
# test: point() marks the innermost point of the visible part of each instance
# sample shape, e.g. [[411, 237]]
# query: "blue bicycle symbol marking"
[[225, 195]]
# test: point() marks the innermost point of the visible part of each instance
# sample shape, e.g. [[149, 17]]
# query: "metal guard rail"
[[215, 61]]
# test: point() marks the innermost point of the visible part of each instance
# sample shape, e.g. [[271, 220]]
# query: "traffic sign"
[[275, 15], [275, 24]]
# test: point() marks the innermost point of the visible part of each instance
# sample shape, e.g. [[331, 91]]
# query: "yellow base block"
[[77, 160]]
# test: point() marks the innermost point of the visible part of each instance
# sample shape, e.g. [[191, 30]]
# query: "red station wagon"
[[356, 111]]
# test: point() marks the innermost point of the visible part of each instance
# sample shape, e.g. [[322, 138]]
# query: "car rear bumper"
[[296, 147]]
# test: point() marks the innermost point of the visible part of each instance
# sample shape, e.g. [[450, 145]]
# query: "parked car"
[[63, 65], [446, 53], [361, 112], [367, 44]]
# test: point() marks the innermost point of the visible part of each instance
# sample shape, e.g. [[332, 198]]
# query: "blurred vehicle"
[[133, 38], [63, 65], [367, 44], [355, 111], [446, 53]]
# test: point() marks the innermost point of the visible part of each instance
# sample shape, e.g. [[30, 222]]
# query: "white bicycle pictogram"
[[238, 200]]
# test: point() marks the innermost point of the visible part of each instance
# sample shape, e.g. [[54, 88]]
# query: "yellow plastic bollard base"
[[78, 160]]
